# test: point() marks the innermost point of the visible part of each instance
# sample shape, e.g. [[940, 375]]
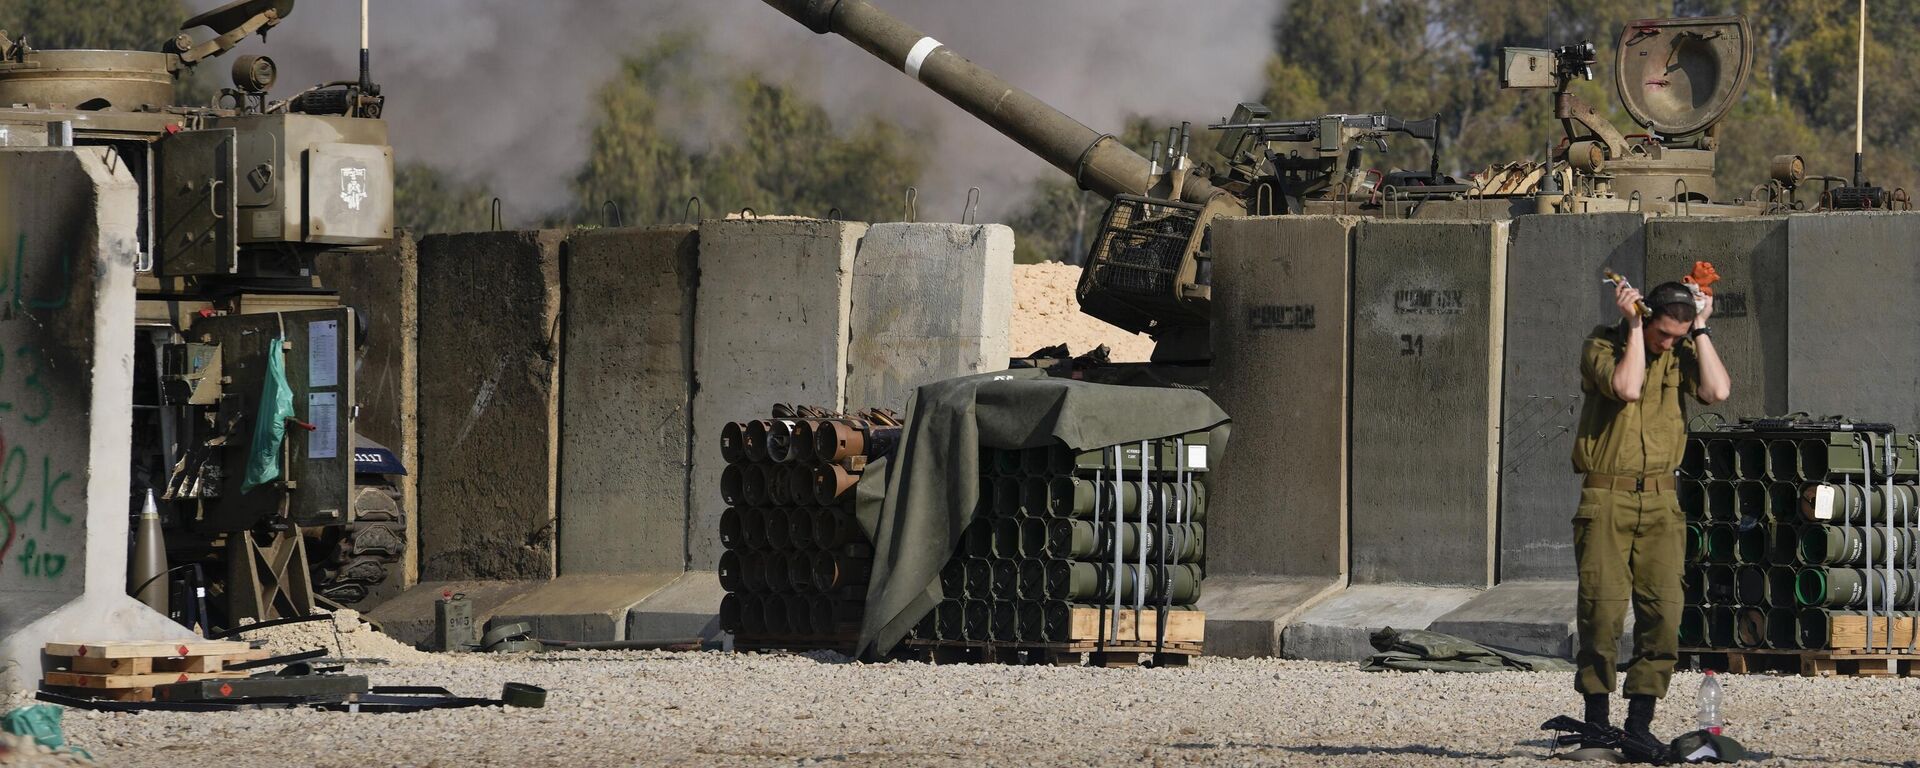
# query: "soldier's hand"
[[1706, 311], [1627, 298]]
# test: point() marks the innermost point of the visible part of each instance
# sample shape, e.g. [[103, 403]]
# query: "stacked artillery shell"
[[1801, 540], [1057, 530], [796, 562]]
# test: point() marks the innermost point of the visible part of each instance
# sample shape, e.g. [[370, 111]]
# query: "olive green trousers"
[[1630, 547]]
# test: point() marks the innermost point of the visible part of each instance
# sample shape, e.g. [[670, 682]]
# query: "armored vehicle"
[[1149, 268], [264, 512]]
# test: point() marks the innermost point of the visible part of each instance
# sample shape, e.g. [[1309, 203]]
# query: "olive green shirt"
[[1644, 438]]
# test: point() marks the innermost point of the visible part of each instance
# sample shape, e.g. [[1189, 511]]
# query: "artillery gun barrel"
[[1097, 161]]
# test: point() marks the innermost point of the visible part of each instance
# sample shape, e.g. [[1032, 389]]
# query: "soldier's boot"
[[1597, 714], [1640, 721]]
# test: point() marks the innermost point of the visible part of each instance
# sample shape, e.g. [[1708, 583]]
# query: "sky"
[[500, 90]]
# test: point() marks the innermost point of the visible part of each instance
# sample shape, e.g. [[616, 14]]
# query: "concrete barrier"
[[1750, 314], [1852, 327], [383, 288], [626, 397], [1280, 330], [1554, 299], [770, 326], [929, 302], [1429, 308], [489, 404], [69, 219]]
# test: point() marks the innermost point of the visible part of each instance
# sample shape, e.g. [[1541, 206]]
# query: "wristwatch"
[[1705, 330]]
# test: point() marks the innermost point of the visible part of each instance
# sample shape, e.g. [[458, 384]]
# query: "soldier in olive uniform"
[[1628, 534]]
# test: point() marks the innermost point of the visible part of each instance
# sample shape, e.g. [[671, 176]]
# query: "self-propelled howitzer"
[[1147, 272]]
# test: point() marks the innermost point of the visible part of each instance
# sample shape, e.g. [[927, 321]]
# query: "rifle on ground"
[[1575, 731]]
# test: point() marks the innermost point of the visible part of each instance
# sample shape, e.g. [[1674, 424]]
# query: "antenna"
[[367, 72], [1860, 104]]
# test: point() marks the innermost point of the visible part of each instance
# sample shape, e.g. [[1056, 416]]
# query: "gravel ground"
[[627, 708]]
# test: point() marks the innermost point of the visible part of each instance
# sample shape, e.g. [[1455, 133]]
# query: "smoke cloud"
[[501, 90]]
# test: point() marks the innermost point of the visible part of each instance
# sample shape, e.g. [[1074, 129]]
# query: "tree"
[[754, 143], [428, 200], [118, 24]]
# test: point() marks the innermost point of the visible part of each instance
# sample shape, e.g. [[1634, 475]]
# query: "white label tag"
[[323, 353], [1823, 503], [323, 411], [1197, 457]]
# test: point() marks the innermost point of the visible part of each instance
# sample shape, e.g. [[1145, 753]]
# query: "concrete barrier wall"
[[1750, 317], [771, 326], [69, 222], [1853, 330], [1280, 333], [929, 302], [383, 287], [626, 397], [489, 404], [1428, 314], [1554, 299]]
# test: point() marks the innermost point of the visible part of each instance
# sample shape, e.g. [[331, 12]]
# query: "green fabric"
[[41, 722], [915, 504], [270, 426], [1418, 650], [1725, 749], [1629, 548]]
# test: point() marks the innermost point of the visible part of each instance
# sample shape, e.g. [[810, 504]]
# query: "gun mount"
[[1149, 271]]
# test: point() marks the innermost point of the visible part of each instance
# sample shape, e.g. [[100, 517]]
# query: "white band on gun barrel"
[[918, 56]]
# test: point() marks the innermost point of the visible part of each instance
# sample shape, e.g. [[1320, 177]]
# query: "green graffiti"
[[47, 565], [13, 476], [48, 485], [18, 281], [11, 479], [38, 387]]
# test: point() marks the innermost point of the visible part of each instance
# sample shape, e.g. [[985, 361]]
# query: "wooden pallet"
[[129, 671], [1822, 663], [1128, 653]]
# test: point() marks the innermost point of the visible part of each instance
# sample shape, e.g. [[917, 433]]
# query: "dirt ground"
[[715, 708], [1045, 313]]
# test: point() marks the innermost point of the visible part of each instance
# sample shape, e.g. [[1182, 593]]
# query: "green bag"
[[270, 427]]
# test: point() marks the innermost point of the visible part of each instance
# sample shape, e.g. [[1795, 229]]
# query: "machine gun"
[[1575, 731], [1330, 167]]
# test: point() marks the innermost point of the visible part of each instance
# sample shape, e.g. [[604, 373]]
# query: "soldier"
[[1628, 533]]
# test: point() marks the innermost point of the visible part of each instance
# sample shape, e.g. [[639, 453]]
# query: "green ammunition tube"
[[1783, 628], [979, 578], [729, 572], [1693, 461], [1750, 542], [1780, 586], [753, 615], [1849, 588], [1721, 464], [1693, 584], [1834, 545], [1750, 584], [1722, 501], [1783, 462], [1784, 547], [1006, 537], [1750, 627], [1006, 621], [730, 613], [953, 578], [1693, 627], [1693, 499], [1093, 582], [1750, 458], [800, 571], [777, 529], [1722, 627], [951, 620], [979, 620], [1006, 580], [1722, 540], [1721, 587], [1032, 621], [1083, 539]]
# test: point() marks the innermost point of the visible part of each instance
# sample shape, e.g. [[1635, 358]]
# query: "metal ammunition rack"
[[1801, 547]]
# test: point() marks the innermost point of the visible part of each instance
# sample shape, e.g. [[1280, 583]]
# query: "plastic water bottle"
[[1710, 703]]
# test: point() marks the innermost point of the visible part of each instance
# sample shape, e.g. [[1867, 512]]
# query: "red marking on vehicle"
[[83, 651], [183, 678], [226, 689]]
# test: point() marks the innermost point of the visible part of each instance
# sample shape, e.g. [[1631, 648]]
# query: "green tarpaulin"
[[1417, 650], [270, 426], [915, 504]]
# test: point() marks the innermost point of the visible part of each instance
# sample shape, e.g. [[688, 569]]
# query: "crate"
[[129, 671]]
